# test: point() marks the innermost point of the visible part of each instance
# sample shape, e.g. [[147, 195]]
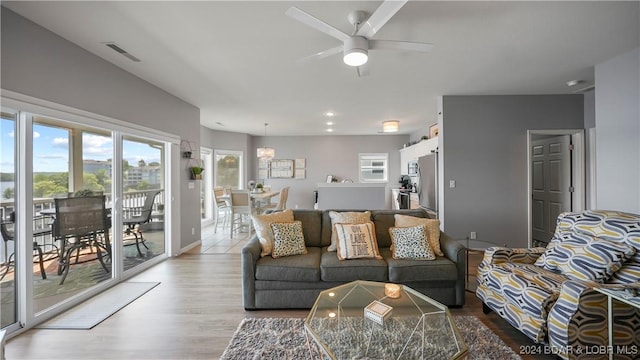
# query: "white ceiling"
[[236, 60]]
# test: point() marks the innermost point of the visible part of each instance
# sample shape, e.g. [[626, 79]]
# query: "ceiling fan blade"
[[309, 20], [322, 54], [380, 17], [400, 45], [363, 70]]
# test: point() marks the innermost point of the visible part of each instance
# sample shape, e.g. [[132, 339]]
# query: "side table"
[[475, 246], [618, 295]]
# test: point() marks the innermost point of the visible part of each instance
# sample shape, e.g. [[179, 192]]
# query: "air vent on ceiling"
[[121, 51]]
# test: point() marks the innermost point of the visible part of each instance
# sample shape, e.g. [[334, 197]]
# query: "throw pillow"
[[262, 224], [357, 241], [347, 217], [596, 260], [288, 239], [433, 229], [411, 243]]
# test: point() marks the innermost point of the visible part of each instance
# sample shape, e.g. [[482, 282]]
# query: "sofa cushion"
[[356, 241], [262, 224], [288, 239], [402, 271], [384, 219], [333, 269], [410, 243], [345, 217], [432, 225], [311, 226], [291, 268], [596, 260]]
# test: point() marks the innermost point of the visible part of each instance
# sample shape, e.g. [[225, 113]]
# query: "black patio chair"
[[8, 234], [133, 217], [81, 222]]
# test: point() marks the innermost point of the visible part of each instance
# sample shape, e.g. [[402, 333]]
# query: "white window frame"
[[240, 154], [377, 157]]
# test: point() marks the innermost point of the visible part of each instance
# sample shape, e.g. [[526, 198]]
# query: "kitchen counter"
[[365, 196]]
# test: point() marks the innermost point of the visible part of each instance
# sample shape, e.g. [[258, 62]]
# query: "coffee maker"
[[405, 183]]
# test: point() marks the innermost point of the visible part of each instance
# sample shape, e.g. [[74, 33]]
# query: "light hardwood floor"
[[192, 314]]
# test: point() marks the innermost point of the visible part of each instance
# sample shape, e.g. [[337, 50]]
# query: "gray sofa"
[[294, 282]]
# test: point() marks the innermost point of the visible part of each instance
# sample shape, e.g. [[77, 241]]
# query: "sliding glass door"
[[48, 158], [143, 205], [69, 160], [9, 263]]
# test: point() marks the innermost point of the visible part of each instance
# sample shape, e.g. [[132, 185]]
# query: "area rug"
[[285, 338], [97, 309]]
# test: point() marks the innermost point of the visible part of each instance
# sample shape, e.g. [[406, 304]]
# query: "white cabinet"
[[413, 152]]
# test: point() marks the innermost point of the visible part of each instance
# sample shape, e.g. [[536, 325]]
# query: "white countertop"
[[347, 185]]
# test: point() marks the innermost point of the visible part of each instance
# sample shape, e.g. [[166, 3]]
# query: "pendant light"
[[266, 153]]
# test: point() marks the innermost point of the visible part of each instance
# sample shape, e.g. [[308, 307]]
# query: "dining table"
[[258, 199]]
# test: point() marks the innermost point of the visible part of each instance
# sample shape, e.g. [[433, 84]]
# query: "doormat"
[[97, 309]]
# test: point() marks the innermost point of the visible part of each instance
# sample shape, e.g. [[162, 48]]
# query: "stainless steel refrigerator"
[[428, 182]]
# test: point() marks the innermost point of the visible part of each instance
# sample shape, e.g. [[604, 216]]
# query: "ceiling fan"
[[355, 47]]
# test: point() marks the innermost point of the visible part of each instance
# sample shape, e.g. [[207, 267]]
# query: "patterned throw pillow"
[[347, 217], [411, 243], [596, 260], [262, 224], [357, 241], [433, 229], [288, 239]]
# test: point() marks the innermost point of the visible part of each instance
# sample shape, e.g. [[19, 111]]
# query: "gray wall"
[[40, 64], [484, 143], [618, 133], [327, 155]]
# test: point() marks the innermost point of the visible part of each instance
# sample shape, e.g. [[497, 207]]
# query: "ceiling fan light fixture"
[[390, 126], [356, 51]]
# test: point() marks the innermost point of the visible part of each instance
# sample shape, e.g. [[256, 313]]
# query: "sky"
[[51, 148]]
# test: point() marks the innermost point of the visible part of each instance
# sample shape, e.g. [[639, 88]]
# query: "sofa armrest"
[[497, 255], [249, 257], [578, 321], [455, 251]]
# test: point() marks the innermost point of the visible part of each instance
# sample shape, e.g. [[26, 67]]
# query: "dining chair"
[[8, 234], [221, 207], [134, 216], [81, 222], [241, 210], [282, 201]]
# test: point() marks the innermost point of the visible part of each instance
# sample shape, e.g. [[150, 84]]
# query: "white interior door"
[[551, 189]]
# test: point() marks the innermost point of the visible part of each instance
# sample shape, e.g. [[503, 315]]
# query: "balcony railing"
[[131, 199]]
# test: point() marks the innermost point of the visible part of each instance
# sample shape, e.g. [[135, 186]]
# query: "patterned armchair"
[[549, 295]]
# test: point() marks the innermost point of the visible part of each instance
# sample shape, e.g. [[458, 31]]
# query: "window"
[[228, 169], [373, 167]]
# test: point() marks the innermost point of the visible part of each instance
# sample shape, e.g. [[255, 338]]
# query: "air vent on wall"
[[121, 51]]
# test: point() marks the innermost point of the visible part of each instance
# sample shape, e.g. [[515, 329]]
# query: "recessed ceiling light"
[[329, 113], [329, 130], [574, 82], [329, 123]]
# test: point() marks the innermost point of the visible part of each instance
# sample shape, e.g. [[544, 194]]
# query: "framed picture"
[[433, 131], [281, 169], [300, 174], [300, 163], [263, 164]]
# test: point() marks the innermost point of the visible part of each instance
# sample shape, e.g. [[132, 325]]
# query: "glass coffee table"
[[416, 327]]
